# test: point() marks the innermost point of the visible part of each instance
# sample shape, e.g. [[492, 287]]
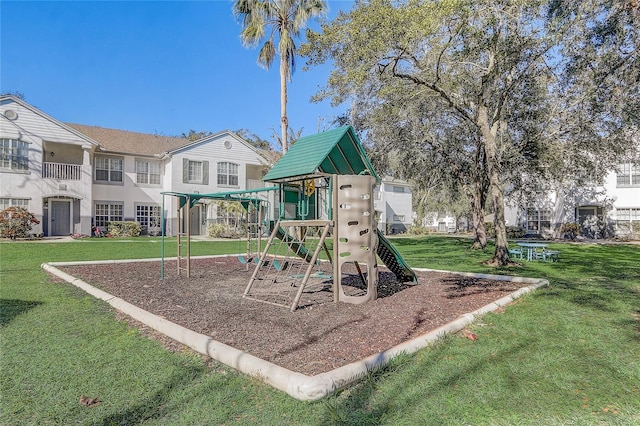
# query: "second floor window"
[[108, 169], [195, 171], [628, 174], [148, 172], [228, 174], [14, 154]]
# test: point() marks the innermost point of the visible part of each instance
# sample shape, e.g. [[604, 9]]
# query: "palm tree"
[[286, 18]]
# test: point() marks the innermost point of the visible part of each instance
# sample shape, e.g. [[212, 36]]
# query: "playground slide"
[[393, 260]]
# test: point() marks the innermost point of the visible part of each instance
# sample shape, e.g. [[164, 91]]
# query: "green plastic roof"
[[336, 151]]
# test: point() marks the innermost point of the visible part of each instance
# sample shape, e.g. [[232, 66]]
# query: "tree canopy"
[[483, 91], [479, 69]]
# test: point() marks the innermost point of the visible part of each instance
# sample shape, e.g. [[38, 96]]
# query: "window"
[[538, 220], [14, 202], [14, 154], [398, 218], [148, 172], [627, 220], [108, 169], [628, 174], [228, 174], [108, 212], [195, 172], [149, 217]]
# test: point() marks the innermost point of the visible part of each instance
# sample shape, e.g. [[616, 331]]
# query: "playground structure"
[[325, 236]]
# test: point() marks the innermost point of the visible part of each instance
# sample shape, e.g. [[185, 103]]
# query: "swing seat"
[[280, 267], [244, 260]]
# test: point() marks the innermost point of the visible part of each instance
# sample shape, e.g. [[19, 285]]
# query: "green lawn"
[[568, 354]]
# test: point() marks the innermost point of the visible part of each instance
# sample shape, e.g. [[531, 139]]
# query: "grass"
[[567, 354]]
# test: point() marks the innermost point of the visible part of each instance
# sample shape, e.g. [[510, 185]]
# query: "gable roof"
[[126, 142], [214, 137], [336, 151], [6, 100]]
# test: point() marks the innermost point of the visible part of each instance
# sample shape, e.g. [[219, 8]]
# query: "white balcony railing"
[[255, 184], [61, 171]]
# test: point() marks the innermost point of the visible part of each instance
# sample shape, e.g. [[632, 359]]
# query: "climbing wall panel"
[[356, 240]]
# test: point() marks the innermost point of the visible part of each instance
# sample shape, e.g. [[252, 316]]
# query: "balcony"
[[61, 171], [256, 184]]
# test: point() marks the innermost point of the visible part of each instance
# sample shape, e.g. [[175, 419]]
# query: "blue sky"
[[160, 67]]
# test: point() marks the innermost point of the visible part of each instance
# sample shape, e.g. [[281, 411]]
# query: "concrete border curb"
[[297, 385]]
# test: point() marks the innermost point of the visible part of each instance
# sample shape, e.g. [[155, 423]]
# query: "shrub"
[[220, 230], [570, 230], [124, 229], [418, 230], [594, 227], [16, 222], [515, 232]]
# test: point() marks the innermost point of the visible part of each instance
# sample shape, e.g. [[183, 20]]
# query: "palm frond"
[[267, 54]]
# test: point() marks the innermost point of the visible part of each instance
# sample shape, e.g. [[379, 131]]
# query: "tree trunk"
[[477, 197], [501, 254], [284, 121]]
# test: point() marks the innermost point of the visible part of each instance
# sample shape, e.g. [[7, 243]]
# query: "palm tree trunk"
[[284, 121]]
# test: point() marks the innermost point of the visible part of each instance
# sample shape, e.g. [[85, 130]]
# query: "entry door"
[[584, 212], [194, 220], [60, 218]]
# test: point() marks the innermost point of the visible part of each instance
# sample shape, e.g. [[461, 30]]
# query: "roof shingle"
[[122, 141]]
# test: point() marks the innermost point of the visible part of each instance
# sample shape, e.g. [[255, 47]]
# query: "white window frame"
[[108, 211], [228, 174], [195, 171], [540, 217], [629, 214], [627, 219], [149, 216], [14, 155], [148, 172], [113, 167], [6, 202], [628, 174]]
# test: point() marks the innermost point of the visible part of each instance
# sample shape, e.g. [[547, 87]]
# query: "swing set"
[[254, 201]]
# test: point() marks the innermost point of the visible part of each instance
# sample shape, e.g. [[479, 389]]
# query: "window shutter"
[[185, 170], [205, 173]]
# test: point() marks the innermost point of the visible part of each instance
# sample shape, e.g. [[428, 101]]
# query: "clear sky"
[[161, 67]]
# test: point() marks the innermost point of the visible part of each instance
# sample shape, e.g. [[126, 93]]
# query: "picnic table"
[[537, 251]]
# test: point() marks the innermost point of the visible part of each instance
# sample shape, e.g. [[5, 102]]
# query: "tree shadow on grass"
[[364, 405], [153, 406], [11, 308]]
